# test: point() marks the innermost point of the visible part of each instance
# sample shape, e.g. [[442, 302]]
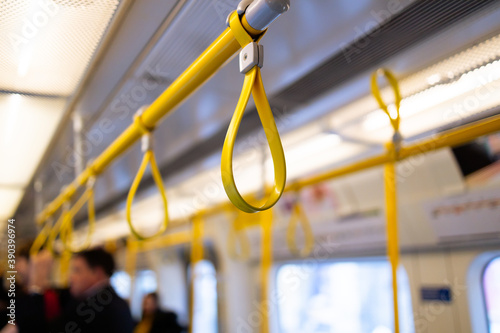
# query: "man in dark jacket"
[[94, 306]]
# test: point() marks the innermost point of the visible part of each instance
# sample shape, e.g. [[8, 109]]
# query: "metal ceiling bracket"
[[261, 13], [242, 6]]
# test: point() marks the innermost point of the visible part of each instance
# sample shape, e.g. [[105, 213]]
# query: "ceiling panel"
[[10, 198], [45, 46]]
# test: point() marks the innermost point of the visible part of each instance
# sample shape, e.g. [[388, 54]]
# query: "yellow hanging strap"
[[41, 238], [266, 223], [149, 158], [299, 216], [390, 182], [237, 236], [56, 229], [252, 85], [196, 256], [64, 264], [67, 224]]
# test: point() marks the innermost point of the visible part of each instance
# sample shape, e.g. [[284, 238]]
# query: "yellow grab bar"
[[67, 224], [252, 85], [390, 185], [204, 67], [298, 215], [149, 158]]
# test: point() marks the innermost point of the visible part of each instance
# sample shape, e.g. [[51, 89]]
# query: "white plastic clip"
[[90, 182], [397, 139], [92, 178], [250, 56], [147, 136], [147, 142]]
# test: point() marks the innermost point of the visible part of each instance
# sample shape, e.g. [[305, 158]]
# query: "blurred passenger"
[[154, 320], [94, 306], [33, 294]]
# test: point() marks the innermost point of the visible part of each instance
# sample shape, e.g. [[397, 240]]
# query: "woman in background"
[[154, 320]]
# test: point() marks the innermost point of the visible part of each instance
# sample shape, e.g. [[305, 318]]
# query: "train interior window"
[[491, 287], [122, 284], [341, 297], [205, 314]]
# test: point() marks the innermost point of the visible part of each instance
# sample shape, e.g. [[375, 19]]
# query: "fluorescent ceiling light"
[[474, 86], [26, 126], [49, 44], [314, 145], [10, 199]]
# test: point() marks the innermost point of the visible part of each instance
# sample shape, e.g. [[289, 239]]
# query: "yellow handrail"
[[204, 67], [393, 148], [149, 158], [252, 85], [452, 137], [298, 215]]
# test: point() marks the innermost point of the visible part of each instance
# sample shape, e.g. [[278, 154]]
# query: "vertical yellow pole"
[[266, 223], [196, 256], [392, 230], [390, 180]]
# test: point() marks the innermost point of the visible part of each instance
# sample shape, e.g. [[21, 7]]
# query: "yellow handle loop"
[[378, 97], [252, 85], [149, 158], [391, 185], [67, 224], [298, 215], [41, 238], [56, 229], [237, 235]]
